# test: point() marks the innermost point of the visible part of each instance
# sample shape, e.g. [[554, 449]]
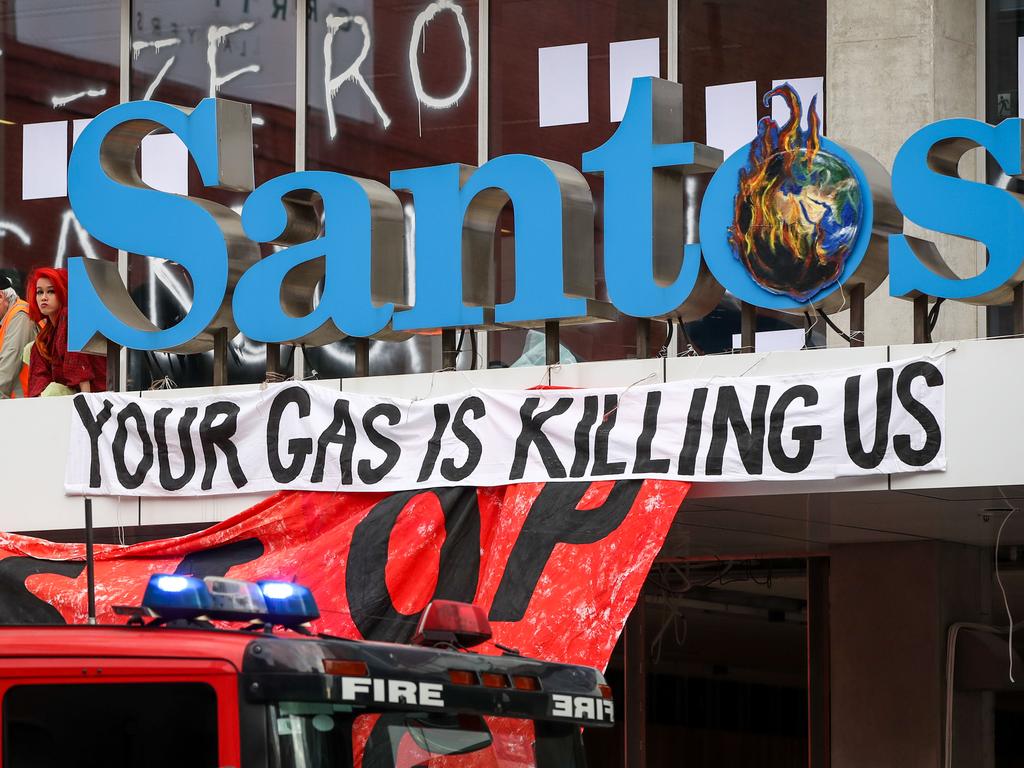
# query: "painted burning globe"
[[798, 207]]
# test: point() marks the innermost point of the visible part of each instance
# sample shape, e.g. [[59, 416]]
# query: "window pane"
[[181, 54], [737, 41], [391, 85], [59, 66], [576, 86], [380, 100], [1004, 33], [145, 725], [741, 48]]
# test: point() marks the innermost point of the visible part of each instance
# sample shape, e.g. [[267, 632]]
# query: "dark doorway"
[[727, 680]]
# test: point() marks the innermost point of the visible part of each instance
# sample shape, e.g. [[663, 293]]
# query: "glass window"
[[244, 50], [391, 85], [1004, 39], [156, 725], [737, 41], [519, 30], [324, 736], [723, 42], [181, 54], [1004, 31], [58, 68], [596, 47]]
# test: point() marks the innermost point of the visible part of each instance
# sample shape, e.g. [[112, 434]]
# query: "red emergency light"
[[446, 622]]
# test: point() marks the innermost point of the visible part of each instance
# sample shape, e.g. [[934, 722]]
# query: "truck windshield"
[[327, 736]]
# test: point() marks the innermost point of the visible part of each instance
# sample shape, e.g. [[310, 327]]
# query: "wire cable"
[[954, 633], [685, 336], [670, 327], [999, 580], [834, 327], [951, 640], [933, 316]]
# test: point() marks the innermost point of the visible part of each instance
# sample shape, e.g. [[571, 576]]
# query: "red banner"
[[557, 566]]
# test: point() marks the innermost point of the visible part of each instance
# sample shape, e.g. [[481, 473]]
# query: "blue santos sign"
[[790, 223]]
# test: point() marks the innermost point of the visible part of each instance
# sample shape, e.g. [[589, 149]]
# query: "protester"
[[16, 331], [53, 370]]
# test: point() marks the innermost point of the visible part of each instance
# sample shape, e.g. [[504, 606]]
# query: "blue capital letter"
[[116, 207], [930, 193], [644, 164]]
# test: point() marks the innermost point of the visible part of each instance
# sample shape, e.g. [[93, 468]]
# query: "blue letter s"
[[930, 193], [116, 207]]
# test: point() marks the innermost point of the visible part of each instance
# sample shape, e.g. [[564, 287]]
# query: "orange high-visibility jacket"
[[19, 306]]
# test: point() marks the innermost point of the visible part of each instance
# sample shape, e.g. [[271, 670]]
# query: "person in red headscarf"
[[50, 362]]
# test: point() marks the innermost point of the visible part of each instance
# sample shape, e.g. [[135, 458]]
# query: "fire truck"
[[222, 673]]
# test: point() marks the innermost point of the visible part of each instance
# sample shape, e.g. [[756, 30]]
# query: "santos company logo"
[[791, 223]]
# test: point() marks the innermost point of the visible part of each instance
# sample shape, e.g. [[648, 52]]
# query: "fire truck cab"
[[180, 692]]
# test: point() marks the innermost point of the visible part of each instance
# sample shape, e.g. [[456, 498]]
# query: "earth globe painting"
[[798, 207]]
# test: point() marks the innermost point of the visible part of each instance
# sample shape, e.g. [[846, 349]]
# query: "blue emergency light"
[[172, 596], [293, 601], [176, 597]]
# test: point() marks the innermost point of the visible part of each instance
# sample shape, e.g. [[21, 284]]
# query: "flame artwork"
[[798, 207]]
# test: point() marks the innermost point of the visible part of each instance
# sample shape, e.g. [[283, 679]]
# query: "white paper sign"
[[1004, 109], [730, 115], [806, 88], [77, 126], [562, 85], [874, 420], [165, 163], [44, 160], [628, 59]]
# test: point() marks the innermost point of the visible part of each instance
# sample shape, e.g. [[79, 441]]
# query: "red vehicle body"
[[111, 696]]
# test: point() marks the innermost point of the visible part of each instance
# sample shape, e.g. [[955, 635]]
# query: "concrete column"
[[890, 607], [894, 66]]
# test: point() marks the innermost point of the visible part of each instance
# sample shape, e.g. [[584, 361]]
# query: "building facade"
[[785, 623]]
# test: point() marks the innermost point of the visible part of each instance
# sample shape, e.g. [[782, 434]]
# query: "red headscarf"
[[59, 279]]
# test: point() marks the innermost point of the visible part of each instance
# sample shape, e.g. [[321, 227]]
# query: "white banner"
[[873, 420]]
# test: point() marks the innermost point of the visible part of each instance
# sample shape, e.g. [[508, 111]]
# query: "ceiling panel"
[[788, 523]]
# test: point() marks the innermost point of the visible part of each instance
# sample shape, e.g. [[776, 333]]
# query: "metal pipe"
[[220, 357], [635, 701], [922, 334], [114, 359], [90, 563], [124, 94], [552, 344], [643, 338], [483, 118], [857, 315], [1018, 309], [301, 110], [449, 355], [748, 327], [273, 360], [672, 36], [362, 352], [819, 686]]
